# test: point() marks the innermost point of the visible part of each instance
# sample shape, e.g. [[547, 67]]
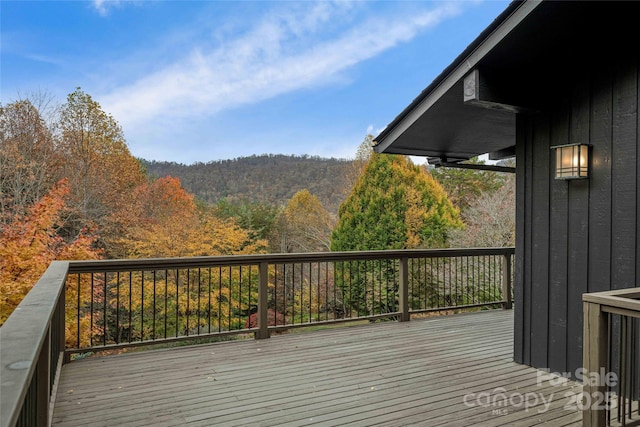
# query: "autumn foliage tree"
[[305, 225], [31, 241], [104, 206], [102, 172], [171, 224], [28, 159]]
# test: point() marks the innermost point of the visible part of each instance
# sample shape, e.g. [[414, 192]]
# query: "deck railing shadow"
[[87, 306]]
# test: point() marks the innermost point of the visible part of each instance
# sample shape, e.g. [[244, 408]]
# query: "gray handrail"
[[227, 260]]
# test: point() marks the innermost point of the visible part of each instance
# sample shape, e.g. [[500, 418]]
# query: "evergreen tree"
[[394, 204]]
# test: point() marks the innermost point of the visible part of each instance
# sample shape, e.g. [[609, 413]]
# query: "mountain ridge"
[[266, 178]]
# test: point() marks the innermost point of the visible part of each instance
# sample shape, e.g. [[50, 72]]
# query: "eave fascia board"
[[458, 73]]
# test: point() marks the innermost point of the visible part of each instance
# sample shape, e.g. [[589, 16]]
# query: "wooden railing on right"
[[611, 376]]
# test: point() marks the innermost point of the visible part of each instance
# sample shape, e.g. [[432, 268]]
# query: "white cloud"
[[286, 51], [102, 6]]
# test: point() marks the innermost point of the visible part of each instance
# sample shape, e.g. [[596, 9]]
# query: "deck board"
[[386, 374]]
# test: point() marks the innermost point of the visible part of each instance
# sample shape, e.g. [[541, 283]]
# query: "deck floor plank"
[[388, 374]]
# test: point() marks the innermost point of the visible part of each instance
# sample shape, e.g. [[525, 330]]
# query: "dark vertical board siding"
[[540, 244], [528, 239], [636, 67], [578, 228], [600, 197], [518, 288], [624, 176], [592, 241], [558, 250]]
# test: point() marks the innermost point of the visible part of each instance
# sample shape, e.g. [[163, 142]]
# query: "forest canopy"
[[71, 189]]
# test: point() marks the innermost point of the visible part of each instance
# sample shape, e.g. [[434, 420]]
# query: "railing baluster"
[[130, 308], [177, 302], [78, 315], [209, 307], [230, 298], [199, 291], [239, 297], [142, 305], [153, 329], [219, 299], [275, 292], [310, 293], [105, 296], [188, 311], [91, 315], [403, 290], [166, 300]]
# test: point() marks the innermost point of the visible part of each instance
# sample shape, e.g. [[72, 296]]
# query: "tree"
[[171, 224], [29, 243], [29, 164], [465, 185], [394, 205], [305, 225], [489, 219], [101, 170], [363, 154], [258, 218]]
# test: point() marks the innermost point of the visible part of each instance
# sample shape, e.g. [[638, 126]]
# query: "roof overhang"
[[519, 63]]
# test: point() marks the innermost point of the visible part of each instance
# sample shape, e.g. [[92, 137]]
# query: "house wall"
[[575, 236]]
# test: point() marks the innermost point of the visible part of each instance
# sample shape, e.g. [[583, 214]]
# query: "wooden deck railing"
[[85, 306], [611, 384]]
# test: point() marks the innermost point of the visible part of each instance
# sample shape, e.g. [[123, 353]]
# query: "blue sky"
[[197, 81]]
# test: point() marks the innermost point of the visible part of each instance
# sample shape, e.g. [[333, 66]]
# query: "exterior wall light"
[[572, 161]]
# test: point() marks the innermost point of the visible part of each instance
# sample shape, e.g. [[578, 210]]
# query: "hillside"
[[265, 178]]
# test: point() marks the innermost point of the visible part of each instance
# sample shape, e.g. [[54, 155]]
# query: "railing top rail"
[[227, 260], [628, 299], [26, 330]]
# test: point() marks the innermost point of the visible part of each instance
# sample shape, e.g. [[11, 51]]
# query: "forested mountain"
[[266, 178]]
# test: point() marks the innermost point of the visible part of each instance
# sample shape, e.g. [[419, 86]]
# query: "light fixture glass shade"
[[572, 161]]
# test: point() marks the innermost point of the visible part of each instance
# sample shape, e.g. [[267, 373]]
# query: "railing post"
[[507, 282], [403, 290], [263, 289], [594, 350]]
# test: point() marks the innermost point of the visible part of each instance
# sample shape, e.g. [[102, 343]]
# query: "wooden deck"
[[437, 371]]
